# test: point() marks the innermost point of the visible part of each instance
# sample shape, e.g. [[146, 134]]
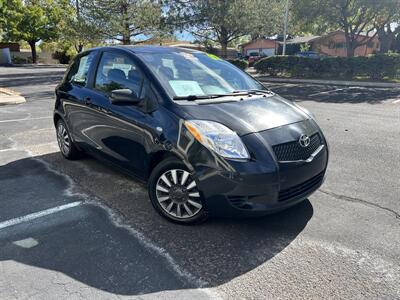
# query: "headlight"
[[218, 138]]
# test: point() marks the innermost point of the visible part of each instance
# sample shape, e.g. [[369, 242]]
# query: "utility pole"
[[285, 25]]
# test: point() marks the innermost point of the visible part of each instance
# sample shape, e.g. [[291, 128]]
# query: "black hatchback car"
[[206, 137]]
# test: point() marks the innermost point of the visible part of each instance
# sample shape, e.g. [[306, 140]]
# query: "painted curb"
[[14, 99], [8, 96]]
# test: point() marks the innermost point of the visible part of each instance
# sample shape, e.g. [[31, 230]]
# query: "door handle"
[[87, 100]]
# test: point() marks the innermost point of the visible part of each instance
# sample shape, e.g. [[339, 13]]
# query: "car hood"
[[253, 114]]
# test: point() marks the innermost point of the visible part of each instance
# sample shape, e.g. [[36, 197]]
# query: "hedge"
[[62, 57], [240, 63], [374, 66]]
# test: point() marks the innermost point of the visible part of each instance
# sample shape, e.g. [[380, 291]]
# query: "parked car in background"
[[311, 54], [253, 57]]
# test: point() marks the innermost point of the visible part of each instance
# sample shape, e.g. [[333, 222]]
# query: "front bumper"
[[262, 184], [247, 195]]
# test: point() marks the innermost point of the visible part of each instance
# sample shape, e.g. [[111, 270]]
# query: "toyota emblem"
[[304, 140]]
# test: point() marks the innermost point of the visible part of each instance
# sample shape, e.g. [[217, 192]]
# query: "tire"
[[173, 193], [65, 143]]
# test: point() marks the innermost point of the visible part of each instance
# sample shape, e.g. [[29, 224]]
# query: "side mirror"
[[124, 97]]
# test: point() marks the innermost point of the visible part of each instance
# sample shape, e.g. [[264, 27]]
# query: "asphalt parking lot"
[[72, 230]]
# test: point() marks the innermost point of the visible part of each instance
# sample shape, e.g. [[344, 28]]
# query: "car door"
[[74, 93], [118, 132]]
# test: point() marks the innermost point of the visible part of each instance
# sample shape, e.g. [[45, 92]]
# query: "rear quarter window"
[[78, 73]]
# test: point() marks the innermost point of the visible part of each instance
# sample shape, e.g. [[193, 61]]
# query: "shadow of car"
[[86, 246]]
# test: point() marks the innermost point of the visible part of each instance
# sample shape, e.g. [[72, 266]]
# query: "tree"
[[223, 21], [2, 10], [32, 21], [354, 17], [267, 19], [124, 20], [396, 43], [387, 24], [77, 29], [387, 36]]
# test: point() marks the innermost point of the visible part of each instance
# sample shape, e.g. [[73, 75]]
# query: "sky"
[[184, 36]]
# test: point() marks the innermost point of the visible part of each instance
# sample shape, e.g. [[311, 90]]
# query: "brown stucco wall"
[[12, 46], [259, 44], [324, 45]]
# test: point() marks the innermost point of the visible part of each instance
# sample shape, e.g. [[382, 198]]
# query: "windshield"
[[185, 74]]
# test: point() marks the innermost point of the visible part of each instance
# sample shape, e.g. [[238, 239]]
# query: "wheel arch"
[[158, 157], [56, 117]]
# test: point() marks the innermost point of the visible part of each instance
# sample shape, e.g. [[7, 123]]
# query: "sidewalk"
[[10, 97]]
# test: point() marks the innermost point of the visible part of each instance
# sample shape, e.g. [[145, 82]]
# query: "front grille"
[[293, 151], [301, 188]]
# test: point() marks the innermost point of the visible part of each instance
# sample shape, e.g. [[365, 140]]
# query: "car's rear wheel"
[[174, 194], [65, 143]]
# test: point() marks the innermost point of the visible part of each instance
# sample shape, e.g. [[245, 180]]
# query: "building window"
[[340, 45]]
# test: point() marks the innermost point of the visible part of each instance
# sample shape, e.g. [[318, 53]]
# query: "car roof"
[[150, 49]]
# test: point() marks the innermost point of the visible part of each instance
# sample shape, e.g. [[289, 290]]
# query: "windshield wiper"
[[252, 92], [212, 96], [196, 97], [244, 93]]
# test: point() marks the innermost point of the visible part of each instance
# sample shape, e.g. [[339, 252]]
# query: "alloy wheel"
[[177, 194], [63, 139]]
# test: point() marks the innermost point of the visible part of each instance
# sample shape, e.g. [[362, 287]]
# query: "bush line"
[[375, 67], [240, 63]]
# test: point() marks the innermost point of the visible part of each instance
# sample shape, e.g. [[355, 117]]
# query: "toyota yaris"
[[206, 137]]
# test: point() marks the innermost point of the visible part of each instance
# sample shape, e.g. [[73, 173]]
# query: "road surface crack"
[[358, 200]]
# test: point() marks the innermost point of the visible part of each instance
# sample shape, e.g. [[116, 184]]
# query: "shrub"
[[20, 60], [382, 65], [273, 65], [374, 67], [240, 63], [62, 57], [336, 67]]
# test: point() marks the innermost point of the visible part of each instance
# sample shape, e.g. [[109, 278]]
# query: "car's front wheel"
[[174, 194]]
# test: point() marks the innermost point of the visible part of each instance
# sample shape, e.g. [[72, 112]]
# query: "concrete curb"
[[10, 97], [56, 66], [328, 82]]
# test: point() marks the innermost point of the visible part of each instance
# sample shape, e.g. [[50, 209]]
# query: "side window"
[[118, 71], [80, 68]]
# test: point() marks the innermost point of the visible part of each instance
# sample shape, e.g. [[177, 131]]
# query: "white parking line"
[[24, 119], [396, 101], [37, 215]]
